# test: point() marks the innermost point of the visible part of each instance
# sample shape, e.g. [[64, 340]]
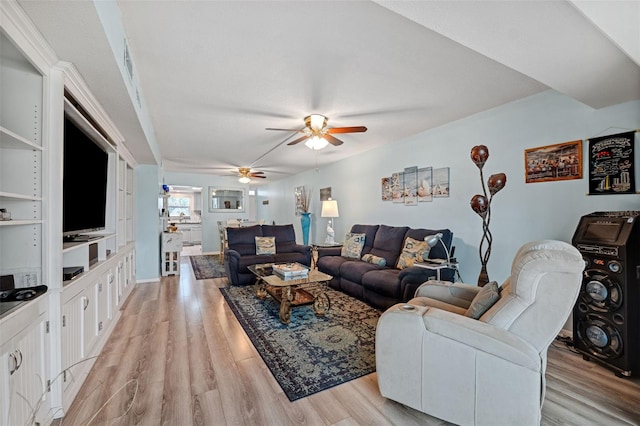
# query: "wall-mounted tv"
[[84, 192]]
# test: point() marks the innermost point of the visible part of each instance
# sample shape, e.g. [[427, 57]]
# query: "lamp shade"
[[330, 209], [432, 241], [316, 142]]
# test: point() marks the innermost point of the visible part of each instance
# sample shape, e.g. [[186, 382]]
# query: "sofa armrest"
[[300, 248], [329, 251], [231, 253]]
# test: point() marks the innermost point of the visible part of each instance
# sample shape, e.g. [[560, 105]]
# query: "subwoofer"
[[606, 317]]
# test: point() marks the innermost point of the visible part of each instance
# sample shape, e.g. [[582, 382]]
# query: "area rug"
[[207, 266], [311, 353]]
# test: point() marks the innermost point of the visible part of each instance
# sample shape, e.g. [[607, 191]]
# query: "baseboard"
[[149, 280]]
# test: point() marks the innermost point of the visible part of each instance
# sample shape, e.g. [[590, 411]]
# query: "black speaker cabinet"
[[606, 317]]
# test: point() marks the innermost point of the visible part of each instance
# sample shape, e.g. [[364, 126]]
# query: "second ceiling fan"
[[318, 135]]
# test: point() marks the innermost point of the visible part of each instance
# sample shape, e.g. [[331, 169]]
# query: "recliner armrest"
[[482, 337], [457, 294]]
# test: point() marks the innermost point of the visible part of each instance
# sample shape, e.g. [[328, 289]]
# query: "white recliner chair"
[[486, 371]]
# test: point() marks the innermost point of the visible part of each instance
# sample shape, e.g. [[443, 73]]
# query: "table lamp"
[[330, 210], [432, 241]]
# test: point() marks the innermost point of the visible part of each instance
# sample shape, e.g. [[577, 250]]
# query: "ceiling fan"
[[246, 174], [318, 135]]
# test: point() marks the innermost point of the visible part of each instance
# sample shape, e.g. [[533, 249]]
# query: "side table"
[[316, 246], [437, 266]]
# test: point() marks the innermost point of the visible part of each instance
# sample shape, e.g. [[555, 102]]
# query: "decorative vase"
[[305, 221]]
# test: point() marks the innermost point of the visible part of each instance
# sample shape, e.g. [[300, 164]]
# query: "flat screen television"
[[84, 192]]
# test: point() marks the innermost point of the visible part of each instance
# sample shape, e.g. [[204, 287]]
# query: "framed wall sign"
[[561, 161], [611, 161]]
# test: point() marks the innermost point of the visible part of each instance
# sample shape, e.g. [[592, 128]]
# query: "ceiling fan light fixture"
[[244, 179], [316, 121], [316, 143]]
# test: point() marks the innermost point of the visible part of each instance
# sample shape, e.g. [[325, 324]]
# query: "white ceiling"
[[214, 74]]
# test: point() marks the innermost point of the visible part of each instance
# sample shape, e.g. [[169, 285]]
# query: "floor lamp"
[[330, 210]]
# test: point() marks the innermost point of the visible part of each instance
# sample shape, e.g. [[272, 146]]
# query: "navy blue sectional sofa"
[[382, 286], [242, 250]]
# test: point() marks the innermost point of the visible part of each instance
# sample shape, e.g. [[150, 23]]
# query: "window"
[[180, 205]]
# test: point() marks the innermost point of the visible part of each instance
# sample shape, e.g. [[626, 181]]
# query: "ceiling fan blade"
[[257, 173], [352, 129], [285, 130], [300, 139], [259, 177], [333, 140]]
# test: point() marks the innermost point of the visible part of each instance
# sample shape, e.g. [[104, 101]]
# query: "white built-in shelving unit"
[[48, 344]]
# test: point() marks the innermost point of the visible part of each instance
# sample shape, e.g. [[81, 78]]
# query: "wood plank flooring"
[[178, 356]]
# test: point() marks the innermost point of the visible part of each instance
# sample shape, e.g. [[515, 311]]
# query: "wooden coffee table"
[[290, 293]]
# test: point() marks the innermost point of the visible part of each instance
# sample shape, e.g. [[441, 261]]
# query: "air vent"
[[127, 60]]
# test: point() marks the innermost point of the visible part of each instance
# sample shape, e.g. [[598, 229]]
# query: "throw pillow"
[[265, 245], [412, 252], [353, 244], [486, 297], [376, 260]]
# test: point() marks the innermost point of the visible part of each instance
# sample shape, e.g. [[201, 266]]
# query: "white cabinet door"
[[89, 320], [23, 377], [196, 234], [71, 339], [102, 303]]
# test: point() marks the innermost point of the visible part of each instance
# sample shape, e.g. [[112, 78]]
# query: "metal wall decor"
[[481, 204]]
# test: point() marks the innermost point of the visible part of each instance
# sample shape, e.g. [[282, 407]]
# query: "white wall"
[[520, 212], [146, 213]]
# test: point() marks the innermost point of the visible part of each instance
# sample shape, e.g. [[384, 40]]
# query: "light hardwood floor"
[[178, 356]]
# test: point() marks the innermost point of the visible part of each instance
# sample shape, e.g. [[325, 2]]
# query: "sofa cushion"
[[437, 252], [265, 245], [412, 252], [353, 270], [383, 281], [353, 244], [243, 240], [388, 242], [486, 297], [253, 259], [294, 256], [331, 264], [376, 260], [285, 236], [370, 233]]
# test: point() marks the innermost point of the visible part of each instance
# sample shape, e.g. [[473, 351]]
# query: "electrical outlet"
[[30, 279]]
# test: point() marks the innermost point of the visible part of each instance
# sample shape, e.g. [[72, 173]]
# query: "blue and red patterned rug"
[[207, 266], [311, 353]]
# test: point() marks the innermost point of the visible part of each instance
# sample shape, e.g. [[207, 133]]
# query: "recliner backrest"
[[537, 298], [243, 240], [369, 232], [285, 236], [388, 243]]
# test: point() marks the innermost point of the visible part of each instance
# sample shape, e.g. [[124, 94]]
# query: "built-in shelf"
[[73, 245], [14, 222], [12, 196], [11, 140]]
